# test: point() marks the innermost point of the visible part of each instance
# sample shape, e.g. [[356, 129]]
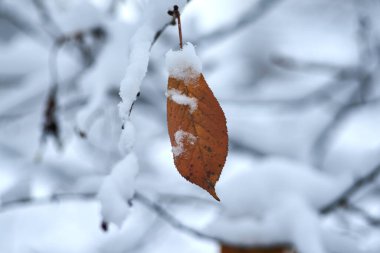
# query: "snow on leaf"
[[180, 137], [184, 64], [201, 161], [182, 99]]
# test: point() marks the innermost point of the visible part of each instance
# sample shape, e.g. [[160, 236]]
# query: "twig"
[[151, 205], [343, 199], [51, 125], [177, 16], [373, 221], [112, 7], [57, 197], [290, 63], [174, 222], [259, 11], [160, 31], [358, 96], [171, 219], [320, 146], [166, 25], [320, 95], [20, 22], [53, 61], [46, 19]]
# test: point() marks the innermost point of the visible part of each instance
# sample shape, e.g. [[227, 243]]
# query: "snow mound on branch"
[[291, 222], [256, 189], [117, 189], [274, 201], [184, 64], [136, 69]]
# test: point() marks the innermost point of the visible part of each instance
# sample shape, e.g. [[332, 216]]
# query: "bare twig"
[[290, 63], [171, 219], [160, 31], [320, 146], [151, 205], [53, 60], [54, 198], [49, 24], [112, 7], [258, 11], [177, 15], [357, 98], [343, 199], [171, 22], [320, 95], [20, 22], [373, 221], [174, 222]]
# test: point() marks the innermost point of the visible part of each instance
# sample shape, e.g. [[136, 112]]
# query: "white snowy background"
[[297, 80]]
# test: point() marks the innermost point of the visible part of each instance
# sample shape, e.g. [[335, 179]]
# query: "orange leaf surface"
[[197, 130]]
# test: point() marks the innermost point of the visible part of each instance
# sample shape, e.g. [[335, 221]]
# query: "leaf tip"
[[213, 193]]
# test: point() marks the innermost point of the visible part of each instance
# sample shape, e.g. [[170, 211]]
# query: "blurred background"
[[297, 80]]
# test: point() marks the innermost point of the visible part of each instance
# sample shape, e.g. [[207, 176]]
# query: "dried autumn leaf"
[[196, 122], [229, 249]]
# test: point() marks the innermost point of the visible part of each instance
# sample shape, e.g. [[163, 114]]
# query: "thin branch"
[[343, 199], [53, 62], [20, 22], [185, 199], [357, 98], [175, 223], [160, 31], [151, 205], [373, 221], [46, 19], [259, 10], [158, 35], [171, 22], [177, 15], [320, 95], [158, 209], [54, 198], [321, 144], [294, 64], [112, 7]]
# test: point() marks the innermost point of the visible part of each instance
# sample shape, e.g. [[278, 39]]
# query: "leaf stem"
[[177, 15]]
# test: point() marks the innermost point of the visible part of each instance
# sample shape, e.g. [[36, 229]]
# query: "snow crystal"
[[184, 64], [179, 137], [117, 188], [182, 99]]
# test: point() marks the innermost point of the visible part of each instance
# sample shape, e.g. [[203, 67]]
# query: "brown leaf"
[[197, 130], [229, 249]]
